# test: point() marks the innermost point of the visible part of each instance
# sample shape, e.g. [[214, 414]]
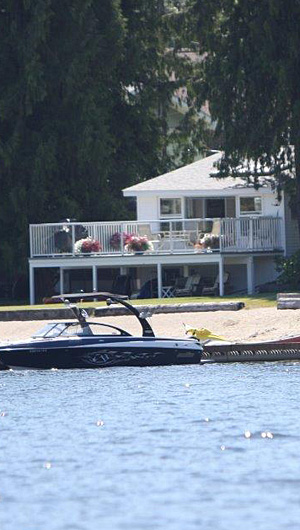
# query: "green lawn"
[[261, 300]]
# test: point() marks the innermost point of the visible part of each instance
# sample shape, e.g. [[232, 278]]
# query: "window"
[[215, 208], [250, 205], [170, 207], [166, 226]]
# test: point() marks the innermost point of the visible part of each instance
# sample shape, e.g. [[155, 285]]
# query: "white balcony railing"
[[247, 234]]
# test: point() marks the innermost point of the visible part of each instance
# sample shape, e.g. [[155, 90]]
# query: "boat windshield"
[[75, 329], [55, 329]]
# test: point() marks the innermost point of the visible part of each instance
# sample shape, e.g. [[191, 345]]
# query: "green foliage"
[[250, 75], [289, 269], [84, 96], [58, 68]]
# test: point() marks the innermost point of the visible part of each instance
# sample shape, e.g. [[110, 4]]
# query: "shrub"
[[289, 270]]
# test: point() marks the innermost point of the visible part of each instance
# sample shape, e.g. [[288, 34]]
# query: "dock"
[[256, 352]]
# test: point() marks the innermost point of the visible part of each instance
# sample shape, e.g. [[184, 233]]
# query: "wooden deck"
[[180, 236]]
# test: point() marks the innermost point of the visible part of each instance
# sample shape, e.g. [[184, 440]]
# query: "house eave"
[[198, 193]]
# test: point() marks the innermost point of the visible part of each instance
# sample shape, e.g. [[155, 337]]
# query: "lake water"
[[151, 448]]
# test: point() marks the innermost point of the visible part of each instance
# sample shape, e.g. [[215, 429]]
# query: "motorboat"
[[83, 344]]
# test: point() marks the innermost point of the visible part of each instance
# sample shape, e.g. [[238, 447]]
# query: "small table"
[[168, 291]]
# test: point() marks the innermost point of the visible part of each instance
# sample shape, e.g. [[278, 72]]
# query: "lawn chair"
[[213, 290], [122, 285], [190, 286], [145, 230]]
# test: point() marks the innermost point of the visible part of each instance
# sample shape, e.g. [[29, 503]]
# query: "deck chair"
[[213, 290], [148, 290], [145, 230], [122, 285], [216, 227], [190, 286], [209, 228]]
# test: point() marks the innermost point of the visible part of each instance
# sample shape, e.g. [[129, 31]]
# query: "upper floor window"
[[170, 207], [250, 205]]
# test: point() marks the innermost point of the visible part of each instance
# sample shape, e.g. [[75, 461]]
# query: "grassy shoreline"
[[251, 302]]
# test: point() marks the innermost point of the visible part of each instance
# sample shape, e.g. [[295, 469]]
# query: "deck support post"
[[250, 275], [61, 280], [221, 277], [159, 280], [31, 285], [95, 279]]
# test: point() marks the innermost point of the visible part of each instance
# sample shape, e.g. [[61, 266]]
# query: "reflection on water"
[[211, 447]]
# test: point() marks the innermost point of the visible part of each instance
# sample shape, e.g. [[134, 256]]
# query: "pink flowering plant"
[[136, 243], [116, 238], [87, 246]]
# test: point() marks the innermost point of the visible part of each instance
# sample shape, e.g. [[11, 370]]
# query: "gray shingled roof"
[[195, 176]]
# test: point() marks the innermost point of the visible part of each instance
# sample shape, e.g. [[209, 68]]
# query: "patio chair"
[[177, 240], [190, 286], [122, 285], [145, 230], [148, 290], [216, 227], [213, 290]]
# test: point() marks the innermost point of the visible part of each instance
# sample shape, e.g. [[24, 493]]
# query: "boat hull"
[[87, 353]]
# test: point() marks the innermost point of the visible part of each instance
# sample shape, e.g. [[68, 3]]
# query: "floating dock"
[[256, 352]]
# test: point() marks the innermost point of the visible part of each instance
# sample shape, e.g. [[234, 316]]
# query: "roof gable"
[[193, 177]]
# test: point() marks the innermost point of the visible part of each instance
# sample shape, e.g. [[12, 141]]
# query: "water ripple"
[[157, 448]]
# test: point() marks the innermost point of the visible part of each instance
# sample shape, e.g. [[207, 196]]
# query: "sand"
[[244, 325]]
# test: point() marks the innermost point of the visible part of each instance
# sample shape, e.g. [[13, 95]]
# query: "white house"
[[196, 224]]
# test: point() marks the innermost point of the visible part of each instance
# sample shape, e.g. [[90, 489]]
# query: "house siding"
[[265, 270], [271, 205], [147, 208]]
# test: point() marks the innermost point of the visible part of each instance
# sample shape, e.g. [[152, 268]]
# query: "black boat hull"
[[87, 354]]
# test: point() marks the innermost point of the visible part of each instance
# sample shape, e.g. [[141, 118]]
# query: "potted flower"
[[116, 238], [210, 241], [87, 246], [198, 246], [138, 244]]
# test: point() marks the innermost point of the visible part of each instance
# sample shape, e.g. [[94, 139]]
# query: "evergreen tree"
[[250, 74], [58, 72], [84, 94]]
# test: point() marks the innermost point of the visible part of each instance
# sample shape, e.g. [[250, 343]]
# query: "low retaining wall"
[[288, 301], [64, 313], [36, 314], [172, 308]]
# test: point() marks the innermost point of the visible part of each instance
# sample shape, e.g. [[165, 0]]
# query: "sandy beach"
[[253, 324]]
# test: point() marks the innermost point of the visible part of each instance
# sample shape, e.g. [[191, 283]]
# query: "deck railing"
[[247, 234]]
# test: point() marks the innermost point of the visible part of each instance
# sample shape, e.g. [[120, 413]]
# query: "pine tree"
[[84, 96], [58, 71], [250, 74]]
